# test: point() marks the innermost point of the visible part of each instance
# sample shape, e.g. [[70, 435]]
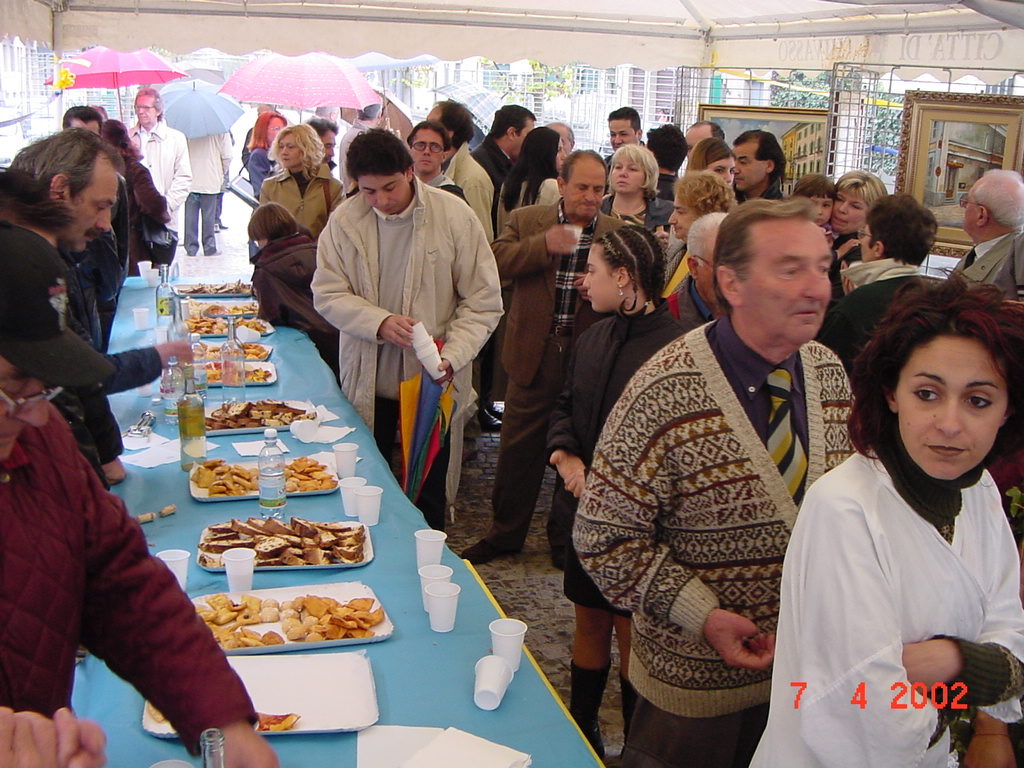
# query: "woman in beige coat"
[[305, 185]]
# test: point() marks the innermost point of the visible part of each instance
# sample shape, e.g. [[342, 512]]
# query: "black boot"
[[587, 690], [628, 705]]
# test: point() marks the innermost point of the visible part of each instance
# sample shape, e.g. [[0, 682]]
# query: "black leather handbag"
[[160, 242]]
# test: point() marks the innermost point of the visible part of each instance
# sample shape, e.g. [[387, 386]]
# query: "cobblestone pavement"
[[526, 585]]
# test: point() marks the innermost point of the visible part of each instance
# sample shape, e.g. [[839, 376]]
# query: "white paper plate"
[[305, 404], [184, 288], [215, 349], [199, 306], [252, 365], [267, 330], [332, 692], [202, 494], [342, 591], [367, 559]]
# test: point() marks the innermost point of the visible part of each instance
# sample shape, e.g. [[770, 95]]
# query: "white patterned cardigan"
[[684, 511]]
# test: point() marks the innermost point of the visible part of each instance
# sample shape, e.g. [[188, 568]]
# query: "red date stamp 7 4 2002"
[[906, 695]]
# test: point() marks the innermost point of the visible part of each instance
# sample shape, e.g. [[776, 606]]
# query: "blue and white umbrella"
[[196, 109]]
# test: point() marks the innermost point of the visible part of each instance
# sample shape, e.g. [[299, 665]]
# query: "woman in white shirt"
[[900, 602]]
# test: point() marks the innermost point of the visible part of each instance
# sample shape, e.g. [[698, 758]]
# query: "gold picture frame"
[[947, 141], [801, 133]]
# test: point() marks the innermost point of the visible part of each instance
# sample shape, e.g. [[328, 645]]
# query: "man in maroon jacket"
[[75, 567]]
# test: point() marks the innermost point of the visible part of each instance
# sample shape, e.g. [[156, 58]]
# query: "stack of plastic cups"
[[426, 350]]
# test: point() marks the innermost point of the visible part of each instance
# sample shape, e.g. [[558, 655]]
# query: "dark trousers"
[[432, 500], [195, 203], [524, 456], [659, 739]]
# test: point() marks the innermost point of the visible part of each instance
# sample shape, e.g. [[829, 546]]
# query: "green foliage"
[[797, 97]]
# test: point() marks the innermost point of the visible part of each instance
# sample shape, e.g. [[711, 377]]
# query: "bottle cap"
[[172, 360], [194, 338], [270, 433]]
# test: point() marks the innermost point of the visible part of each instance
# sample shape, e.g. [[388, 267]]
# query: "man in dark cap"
[[76, 568]]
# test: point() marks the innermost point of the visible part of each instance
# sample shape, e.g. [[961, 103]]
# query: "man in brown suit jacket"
[[544, 251]]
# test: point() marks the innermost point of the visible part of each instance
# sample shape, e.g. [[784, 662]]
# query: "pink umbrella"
[[312, 80], [101, 67]]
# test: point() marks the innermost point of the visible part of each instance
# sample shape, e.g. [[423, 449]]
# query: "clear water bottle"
[[172, 387], [232, 365], [191, 425], [164, 297], [272, 498], [211, 743], [199, 352]]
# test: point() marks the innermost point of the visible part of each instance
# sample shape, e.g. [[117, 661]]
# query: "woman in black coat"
[[285, 263], [625, 275]]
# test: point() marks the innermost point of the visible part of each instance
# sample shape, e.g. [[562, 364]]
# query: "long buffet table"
[[422, 678]]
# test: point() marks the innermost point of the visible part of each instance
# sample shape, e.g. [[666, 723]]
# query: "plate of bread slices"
[[296, 544]]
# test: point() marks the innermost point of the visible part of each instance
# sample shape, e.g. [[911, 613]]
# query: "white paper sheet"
[[254, 447], [165, 453], [138, 443], [388, 746], [457, 749], [327, 434]]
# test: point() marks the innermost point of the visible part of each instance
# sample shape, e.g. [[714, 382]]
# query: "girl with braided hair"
[[625, 276]]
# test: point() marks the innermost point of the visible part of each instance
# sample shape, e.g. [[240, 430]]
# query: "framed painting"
[[801, 133], [947, 142]]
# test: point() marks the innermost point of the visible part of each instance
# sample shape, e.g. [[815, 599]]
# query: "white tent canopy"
[[652, 34]]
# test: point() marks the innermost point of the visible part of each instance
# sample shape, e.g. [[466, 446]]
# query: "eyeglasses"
[[433, 146], [862, 233], [16, 405], [140, 107], [964, 202]]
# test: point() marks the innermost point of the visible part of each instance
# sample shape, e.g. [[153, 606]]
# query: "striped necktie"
[[783, 444]]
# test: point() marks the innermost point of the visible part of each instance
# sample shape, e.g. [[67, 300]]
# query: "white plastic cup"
[[420, 334], [429, 358], [576, 231], [247, 335], [429, 546], [239, 563], [442, 604], [368, 503], [144, 266], [304, 430], [432, 574], [161, 334], [177, 561], [152, 277], [493, 674], [345, 455], [507, 640], [348, 486], [141, 317]]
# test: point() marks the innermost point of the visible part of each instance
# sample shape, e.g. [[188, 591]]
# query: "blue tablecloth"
[[423, 678]]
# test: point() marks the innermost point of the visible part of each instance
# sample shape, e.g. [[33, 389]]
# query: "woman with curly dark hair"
[[143, 198], [900, 598], [532, 180], [625, 272]]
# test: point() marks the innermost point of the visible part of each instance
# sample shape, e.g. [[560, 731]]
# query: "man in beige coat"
[[397, 253]]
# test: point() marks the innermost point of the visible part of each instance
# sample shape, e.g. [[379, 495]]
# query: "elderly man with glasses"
[[993, 219], [76, 568]]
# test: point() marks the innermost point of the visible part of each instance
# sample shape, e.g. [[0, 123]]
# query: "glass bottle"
[[172, 385], [271, 462], [191, 425], [232, 365], [179, 328], [164, 297], [211, 743], [199, 353]]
